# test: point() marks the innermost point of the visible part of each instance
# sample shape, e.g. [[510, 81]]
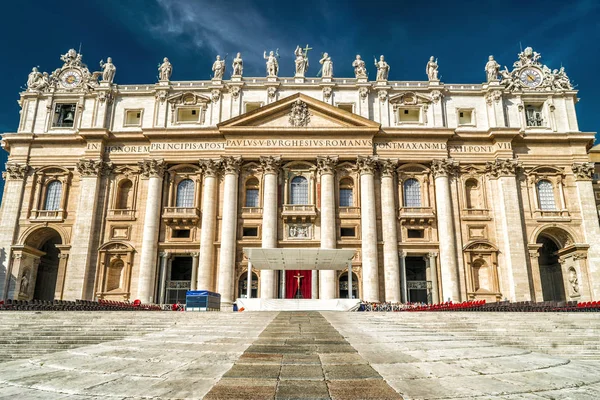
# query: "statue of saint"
[[218, 68], [238, 65], [327, 70], [272, 64], [24, 285], [301, 61], [492, 68], [34, 79], [360, 70], [383, 69], [108, 70], [165, 70], [432, 69]]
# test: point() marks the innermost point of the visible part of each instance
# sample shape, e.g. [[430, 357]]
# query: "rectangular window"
[[347, 107], [415, 233], [533, 115], [250, 231], [253, 106], [133, 118], [251, 197], [465, 117], [181, 233], [409, 115], [188, 115], [347, 232], [346, 198], [64, 115]]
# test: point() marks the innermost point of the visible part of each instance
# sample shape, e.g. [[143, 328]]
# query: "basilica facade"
[[442, 191]]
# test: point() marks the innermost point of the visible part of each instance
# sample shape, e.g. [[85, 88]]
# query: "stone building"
[[442, 191]]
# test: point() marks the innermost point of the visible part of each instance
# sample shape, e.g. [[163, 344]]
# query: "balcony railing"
[[552, 214], [181, 214], [125, 214], [249, 212], [413, 215], [476, 213], [348, 211], [299, 211], [48, 215]]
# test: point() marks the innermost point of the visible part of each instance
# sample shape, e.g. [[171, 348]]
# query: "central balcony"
[[48, 215], [181, 215], [416, 215], [125, 214], [299, 212], [252, 212]]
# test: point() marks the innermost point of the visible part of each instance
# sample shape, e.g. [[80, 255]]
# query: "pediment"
[[299, 112]]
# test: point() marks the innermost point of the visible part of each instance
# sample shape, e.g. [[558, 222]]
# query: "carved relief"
[[215, 95], [583, 171], [210, 167], [366, 165], [327, 91], [382, 94], [573, 283], [326, 165], [89, 167], [387, 167], [152, 168], [494, 95], [231, 165], [502, 167], [271, 92], [299, 231], [299, 115], [235, 91], [15, 170], [270, 164], [363, 92], [443, 167]]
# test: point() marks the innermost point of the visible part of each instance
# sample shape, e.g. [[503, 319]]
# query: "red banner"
[[291, 283]]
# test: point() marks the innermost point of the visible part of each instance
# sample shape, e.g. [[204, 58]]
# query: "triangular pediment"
[[299, 112]]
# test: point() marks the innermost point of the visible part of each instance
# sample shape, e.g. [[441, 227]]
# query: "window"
[[124, 194], [252, 199], [181, 233], [53, 195], [346, 192], [252, 106], [409, 115], [185, 194], [250, 231], [188, 115], [64, 116], [133, 118], [348, 232], [465, 117], [533, 115], [113, 278], [415, 233], [299, 190], [346, 107], [412, 193], [546, 195], [472, 194]]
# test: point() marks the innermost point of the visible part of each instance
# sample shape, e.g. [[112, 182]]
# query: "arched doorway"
[[243, 286], [47, 272], [343, 286], [551, 275]]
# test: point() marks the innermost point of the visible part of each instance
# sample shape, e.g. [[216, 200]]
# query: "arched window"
[[124, 194], [412, 193], [472, 194], [546, 195], [185, 193], [252, 199], [299, 190], [53, 195], [346, 192]]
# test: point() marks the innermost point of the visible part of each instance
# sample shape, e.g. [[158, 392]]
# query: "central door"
[[292, 277]]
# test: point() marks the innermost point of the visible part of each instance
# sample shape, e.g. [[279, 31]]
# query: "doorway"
[[553, 288], [180, 279], [243, 286], [47, 271], [416, 280], [343, 286]]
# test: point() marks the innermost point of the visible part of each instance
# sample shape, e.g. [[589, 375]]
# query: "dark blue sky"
[[138, 33]]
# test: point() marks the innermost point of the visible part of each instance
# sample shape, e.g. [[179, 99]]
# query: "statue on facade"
[[360, 70], [327, 70], [527, 57], [238, 65], [561, 80], [301, 60], [34, 77], [272, 64], [165, 70], [492, 69], [71, 58], [218, 68], [108, 70], [574, 282], [24, 284], [383, 69], [432, 69]]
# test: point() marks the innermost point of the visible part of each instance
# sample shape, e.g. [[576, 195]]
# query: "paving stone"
[[305, 390], [256, 371], [353, 371], [301, 359], [342, 358], [362, 390], [306, 372]]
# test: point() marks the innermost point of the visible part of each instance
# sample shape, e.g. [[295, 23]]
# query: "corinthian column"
[[589, 220], [231, 170], [11, 207], [326, 167], [512, 243], [210, 168], [368, 225], [389, 219], [441, 170], [153, 170], [270, 167], [79, 277]]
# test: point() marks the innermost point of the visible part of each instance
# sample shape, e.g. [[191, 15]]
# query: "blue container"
[[202, 300]]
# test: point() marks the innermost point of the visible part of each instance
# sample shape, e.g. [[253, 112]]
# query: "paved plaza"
[[299, 355]]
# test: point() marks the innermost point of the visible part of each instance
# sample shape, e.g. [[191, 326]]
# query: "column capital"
[[443, 167], [366, 165], [388, 167], [502, 167], [195, 255], [91, 167], [15, 170], [231, 165], [583, 171], [402, 254], [152, 168], [432, 254], [270, 164], [210, 167], [326, 164]]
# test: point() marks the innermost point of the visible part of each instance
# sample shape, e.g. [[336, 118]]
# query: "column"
[[194, 283], [282, 284], [433, 274], [164, 258], [79, 279], [314, 284], [249, 281], [389, 221], [516, 257], [326, 166], [589, 220], [153, 170], [534, 254], [231, 170], [270, 167], [350, 279], [403, 272], [368, 223], [11, 207], [441, 170], [210, 168]]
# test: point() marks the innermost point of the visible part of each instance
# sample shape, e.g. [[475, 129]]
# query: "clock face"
[[70, 79], [531, 77]]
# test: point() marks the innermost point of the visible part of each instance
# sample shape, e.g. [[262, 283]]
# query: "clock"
[[70, 78], [531, 77]]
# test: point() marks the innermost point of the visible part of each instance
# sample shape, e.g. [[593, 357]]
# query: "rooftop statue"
[[360, 70], [108, 70], [492, 69], [165, 70], [218, 68], [383, 69], [530, 74], [301, 60], [327, 70], [272, 64], [238, 65], [432, 69]]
